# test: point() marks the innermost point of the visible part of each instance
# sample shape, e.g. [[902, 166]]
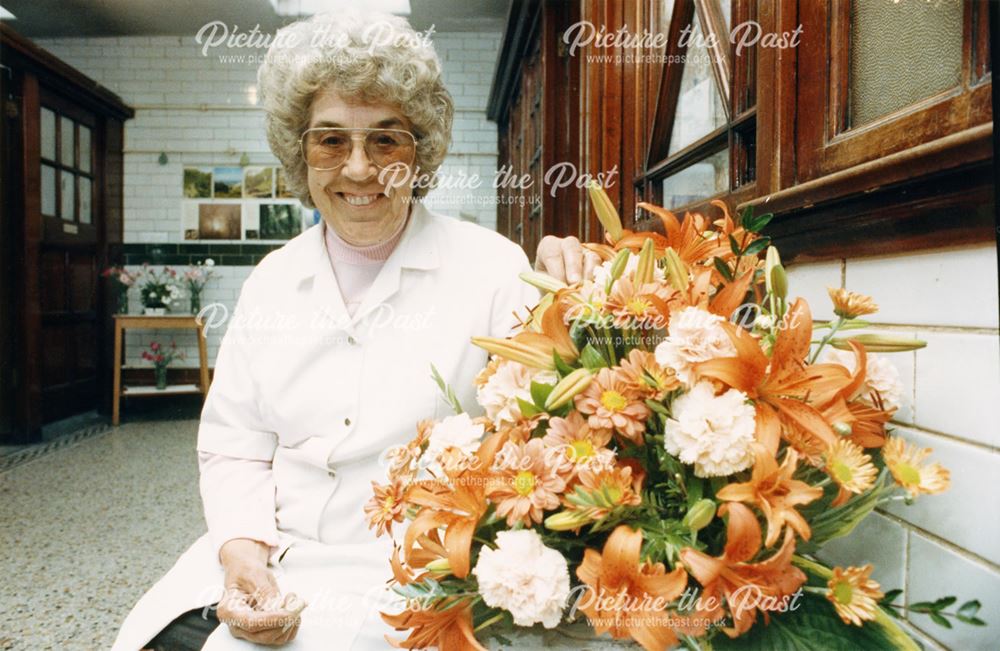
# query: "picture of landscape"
[[228, 182], [279, 221], [197, 183], [258, 182], [219, 221]]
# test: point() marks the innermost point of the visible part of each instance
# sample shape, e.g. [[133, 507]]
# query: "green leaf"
[[657, 406], [746, 217], [939, 620], [591, 359], [734, 245], [723, 268], [539, 392], [944, 602], [527, 409], [922, 607], [447, 391], [562, 367], [970, 608], [757, 224], [815, 626], [757, 246], [891, 596]]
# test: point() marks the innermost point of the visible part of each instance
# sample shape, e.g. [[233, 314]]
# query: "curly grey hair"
[[372, 57]]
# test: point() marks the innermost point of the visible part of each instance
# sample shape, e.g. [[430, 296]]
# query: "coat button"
[[332, 474], [352, 341], [347, 422]]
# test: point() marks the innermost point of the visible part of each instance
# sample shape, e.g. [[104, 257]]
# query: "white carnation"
[[455, 432], [713, 433], [693, 336], [880, 375], [524, 577], [508, 383]]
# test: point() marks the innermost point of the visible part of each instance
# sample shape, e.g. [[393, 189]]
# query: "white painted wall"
[[201, 110], [950, 543]]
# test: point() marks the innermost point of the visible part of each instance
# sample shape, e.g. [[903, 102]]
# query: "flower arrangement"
[[161, 357], [159, 290], [665, 447], [195, 279], [123, 280]]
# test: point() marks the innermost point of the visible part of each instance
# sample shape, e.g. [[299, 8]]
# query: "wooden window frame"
[[736, 82]]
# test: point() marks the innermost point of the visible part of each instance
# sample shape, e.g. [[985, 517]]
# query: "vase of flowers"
[[123, 280], [195, 279], [161, 357], [160, 290]]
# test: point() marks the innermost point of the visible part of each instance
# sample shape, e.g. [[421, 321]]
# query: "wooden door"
[[69, 255]]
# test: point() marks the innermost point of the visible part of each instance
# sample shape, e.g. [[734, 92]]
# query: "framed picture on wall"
[[279, 221], [220, 221], [280, 187], [197, 183], [227, 182], [258, 182]]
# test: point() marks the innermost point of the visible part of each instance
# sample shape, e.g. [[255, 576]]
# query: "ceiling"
[[82, 18]]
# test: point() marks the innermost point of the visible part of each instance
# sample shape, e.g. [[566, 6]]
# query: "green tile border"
[[230, 255]]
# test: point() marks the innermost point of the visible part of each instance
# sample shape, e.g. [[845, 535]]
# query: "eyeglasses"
[[328, 148]]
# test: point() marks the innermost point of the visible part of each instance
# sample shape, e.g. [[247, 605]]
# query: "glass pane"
[[699, 104], [727, 14], [85, 192], [922, 58], [699, 181], [49, 188], [67, 196], [48, 129], [66, 142], [85, 153]]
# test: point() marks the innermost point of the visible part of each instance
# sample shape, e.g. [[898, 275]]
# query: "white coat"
[[304, 401]]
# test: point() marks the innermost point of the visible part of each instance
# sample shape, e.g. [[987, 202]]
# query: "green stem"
[[492, 620], [827, 338]]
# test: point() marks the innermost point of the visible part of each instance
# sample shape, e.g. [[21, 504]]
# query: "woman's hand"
[[565, 259], [252, 606]]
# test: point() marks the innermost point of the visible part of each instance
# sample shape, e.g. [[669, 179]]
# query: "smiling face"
[[353, 201]]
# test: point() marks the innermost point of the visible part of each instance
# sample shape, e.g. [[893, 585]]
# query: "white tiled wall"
[[202, 111], [950, 543]]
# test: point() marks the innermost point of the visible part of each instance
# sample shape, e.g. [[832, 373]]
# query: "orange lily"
[[782, 387], [627, 598], [457, 506], [775, 493], [533, 347], [448, 625], [772, 580]]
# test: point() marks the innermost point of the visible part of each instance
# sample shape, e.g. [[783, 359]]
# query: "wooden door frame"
[[35, 68]]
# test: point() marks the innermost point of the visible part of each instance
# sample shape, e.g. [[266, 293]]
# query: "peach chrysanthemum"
[[528, 482], [573, 443], [850, 467], [851, 305], [642, 370], [601, 490], [905, 462], [386, 506], [611, 402], [644, 306], [854, 594]]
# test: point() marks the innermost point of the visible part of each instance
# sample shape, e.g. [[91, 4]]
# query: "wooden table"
[[170, 322]]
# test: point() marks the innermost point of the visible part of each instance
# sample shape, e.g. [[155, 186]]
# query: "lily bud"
[[516, 351], [647, 259], [542, 281], [606, 213], [842, 428], [568, 388], [441, 565], [879, 343], [677, 271], [566, 521], [699, 515], [618, 267]]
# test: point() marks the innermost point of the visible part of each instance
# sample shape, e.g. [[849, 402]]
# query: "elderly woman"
[[326, 363]]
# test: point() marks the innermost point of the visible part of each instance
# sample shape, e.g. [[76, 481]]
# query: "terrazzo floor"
[[87, 528]]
